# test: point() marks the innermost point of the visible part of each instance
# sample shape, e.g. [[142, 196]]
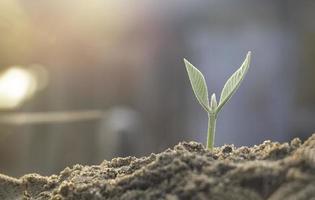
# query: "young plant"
[[200, 89]]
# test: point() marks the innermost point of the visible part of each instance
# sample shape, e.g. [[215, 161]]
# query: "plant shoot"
[[200, 89]]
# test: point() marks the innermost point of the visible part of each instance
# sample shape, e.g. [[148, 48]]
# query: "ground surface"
[[270, 171]]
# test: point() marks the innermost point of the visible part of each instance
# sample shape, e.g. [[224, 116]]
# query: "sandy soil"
[[270, 171]]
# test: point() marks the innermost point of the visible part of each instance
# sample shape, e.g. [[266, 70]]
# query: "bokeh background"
[[83, 81]]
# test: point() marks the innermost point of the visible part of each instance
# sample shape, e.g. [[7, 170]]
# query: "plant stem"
[[211, 130]]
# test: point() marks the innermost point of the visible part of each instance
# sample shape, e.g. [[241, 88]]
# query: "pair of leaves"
[[200, 89]]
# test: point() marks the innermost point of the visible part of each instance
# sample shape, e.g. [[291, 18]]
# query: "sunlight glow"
[[16, 85]]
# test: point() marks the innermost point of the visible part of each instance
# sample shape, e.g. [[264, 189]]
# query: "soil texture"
[[271, 171]]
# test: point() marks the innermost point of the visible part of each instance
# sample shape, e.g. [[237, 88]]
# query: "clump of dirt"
[[270, 171]]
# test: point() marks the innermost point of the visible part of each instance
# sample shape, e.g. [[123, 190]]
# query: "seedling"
[[200, 89]]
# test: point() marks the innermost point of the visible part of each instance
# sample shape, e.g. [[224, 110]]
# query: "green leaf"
[[234, 82], [213, 103], [198, 84]]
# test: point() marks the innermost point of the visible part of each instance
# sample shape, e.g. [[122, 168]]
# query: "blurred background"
[[82, 81]]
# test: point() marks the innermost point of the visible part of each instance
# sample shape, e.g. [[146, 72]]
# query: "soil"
[[270, 171]]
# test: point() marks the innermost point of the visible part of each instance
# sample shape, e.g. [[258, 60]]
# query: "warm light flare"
[[16, 85]]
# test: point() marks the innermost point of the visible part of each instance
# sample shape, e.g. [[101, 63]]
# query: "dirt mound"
[[268, 171]]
